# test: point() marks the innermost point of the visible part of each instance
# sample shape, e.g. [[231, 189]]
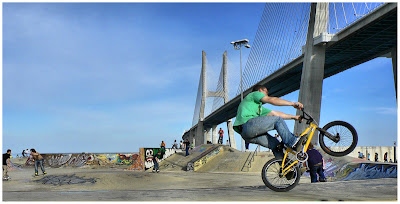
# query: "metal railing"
[[250, 159]]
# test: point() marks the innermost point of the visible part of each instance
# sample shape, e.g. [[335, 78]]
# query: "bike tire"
[[272, 167], [348, 138]]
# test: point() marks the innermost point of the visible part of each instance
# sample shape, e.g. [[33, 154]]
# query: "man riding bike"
[[253, 121]]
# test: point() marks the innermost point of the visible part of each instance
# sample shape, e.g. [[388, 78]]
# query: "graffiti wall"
[[350, 168], [358, 171], [206, 158], [150, 152], [132, 161]]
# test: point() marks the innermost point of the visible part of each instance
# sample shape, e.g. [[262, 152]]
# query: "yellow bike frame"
[[312, 127]]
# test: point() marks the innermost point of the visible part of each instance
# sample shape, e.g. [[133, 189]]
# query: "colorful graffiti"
[[343, 169], [354, 171], [133, 160], [150, 152], [205, 157]]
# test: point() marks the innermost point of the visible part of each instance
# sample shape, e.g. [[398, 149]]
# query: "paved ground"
[[107, 184]]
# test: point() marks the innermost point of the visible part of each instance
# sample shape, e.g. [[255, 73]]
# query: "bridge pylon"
[[204, 134], [312, 75]]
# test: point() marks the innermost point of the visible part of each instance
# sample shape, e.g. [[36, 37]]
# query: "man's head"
[[33, 150], [8, 151], [310, 146], [261, 89]]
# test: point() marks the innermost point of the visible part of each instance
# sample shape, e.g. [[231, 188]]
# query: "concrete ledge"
[[204, 157]]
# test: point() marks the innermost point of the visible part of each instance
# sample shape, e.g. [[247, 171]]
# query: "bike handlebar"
[[308, 118]]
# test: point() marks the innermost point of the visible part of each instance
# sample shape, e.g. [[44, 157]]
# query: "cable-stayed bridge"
[[296, 46]]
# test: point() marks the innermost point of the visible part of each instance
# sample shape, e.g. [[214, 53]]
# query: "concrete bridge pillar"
[[313, 66], [394, 64], [231, 135], [208, 135], [232, 141], [214, 134]]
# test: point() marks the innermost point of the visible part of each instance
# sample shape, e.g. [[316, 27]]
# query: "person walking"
[[6, 164], [368, 156], [187, 146], [181, 145], [253, 121], [221, 136], [174, 145], [156, 162], [38, 161], [315, 164], [376, 157], [385, 157]]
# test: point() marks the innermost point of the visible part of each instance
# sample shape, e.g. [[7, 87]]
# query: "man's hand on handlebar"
[[298, 105], [298, 117]]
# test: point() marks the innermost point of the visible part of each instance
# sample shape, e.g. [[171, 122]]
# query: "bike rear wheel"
[[346, 134], [271, 176]]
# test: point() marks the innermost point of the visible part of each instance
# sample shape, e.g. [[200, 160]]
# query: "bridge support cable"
[[278, 40]]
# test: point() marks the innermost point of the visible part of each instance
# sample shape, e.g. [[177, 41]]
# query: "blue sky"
[[107, 77]]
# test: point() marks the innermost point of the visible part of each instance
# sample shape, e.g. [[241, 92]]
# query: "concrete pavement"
[[118, 185]]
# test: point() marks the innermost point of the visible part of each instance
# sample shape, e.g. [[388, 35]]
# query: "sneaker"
[[154, 171], [158, 171], [322, 180], [44, 173], [290, 175], [36, 174], [296, 143]]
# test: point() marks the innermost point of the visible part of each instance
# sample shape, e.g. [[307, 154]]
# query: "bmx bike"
[[337, 138]]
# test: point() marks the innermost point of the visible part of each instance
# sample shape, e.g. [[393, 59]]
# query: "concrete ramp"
[[178, 161]]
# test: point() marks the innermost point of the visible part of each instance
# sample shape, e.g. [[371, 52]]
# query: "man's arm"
[[284, 115], [280, 102]]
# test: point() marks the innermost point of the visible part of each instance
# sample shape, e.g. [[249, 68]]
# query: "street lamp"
[[237, 45]]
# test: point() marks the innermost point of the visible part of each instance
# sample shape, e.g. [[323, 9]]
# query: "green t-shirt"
[[249, 108]]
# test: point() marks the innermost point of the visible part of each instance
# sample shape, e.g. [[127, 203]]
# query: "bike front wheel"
[[272, 176], [346, 138]]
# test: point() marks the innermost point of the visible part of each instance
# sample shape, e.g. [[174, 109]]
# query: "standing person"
[[156, 160], [187, 145], [253, 121], [385, 157], [38, 161], [360, 155], [23, 153], [376, 156], [368, 156], [315, 164], [221, 136], [6, 164], [246, 145], [181, 145], [175, 145], [27, 152], [162, 145]]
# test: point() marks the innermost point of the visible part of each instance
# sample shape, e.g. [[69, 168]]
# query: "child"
[[315, 164]]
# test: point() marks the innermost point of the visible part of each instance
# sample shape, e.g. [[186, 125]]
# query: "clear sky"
[[108, 77]]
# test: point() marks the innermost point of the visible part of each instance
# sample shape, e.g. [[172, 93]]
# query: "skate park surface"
[[220, 177]]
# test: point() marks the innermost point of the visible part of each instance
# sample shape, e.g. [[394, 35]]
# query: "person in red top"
[[221, 136]]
